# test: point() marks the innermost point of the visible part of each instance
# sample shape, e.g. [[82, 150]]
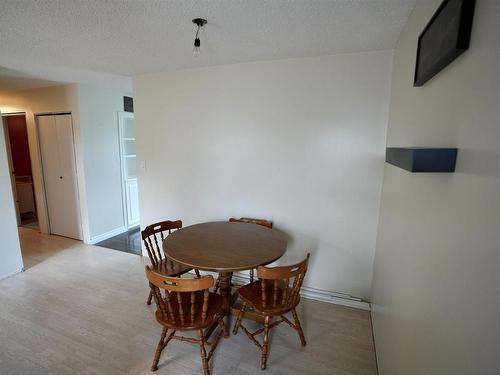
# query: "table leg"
[[225, 292]]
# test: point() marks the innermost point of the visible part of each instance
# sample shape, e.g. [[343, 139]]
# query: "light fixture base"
[[200, 22]]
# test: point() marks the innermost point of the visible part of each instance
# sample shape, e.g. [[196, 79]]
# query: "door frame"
[[10, 161], [121, 116], [77, 180]]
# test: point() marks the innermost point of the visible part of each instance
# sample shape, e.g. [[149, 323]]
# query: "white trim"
[[315, 294], [121, 116], [122, 173], [334, 297], [43, 212], [11, 274], [10, 163], [7, 114], [105, 236], [319, 294]]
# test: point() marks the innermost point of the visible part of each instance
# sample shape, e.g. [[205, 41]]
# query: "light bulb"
[[197, 47]]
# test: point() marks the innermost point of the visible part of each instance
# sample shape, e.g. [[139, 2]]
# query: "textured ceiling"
[[15, 80], [75, 40]]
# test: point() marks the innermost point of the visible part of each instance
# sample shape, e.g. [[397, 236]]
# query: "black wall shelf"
[[422, 159]]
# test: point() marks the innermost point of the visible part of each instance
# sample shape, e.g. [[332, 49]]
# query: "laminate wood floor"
[[80, 309]]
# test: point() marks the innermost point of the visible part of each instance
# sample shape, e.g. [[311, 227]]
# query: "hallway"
[[37, 248]]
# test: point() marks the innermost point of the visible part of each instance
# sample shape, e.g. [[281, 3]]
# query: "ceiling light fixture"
[[200, 22]]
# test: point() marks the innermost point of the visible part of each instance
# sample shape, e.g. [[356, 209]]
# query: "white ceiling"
[[15, 80], [79, 40]]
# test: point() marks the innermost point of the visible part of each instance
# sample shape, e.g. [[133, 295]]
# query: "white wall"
[[44, 100], [10, 252], [99, 106], [94, 111], [436, 293], [299, 142]]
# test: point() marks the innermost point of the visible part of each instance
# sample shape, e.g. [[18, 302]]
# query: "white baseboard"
[[11, 274], [333, 297], [105, 236], [317, 294]]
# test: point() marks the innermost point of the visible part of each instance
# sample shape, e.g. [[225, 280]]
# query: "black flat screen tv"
[[444, 38]]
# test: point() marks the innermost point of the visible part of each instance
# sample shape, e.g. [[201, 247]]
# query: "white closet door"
[[59, 173], [132, 195]]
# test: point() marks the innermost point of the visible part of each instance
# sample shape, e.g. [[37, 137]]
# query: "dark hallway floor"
[[129, 242]]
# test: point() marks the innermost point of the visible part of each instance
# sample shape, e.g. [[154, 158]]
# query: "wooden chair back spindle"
[[187, 305], [279, 278], [153, 236], [180, 296], [251, 220], [273, 296], [263, 222]]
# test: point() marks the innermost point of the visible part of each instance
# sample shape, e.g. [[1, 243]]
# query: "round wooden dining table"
[[225, 247]]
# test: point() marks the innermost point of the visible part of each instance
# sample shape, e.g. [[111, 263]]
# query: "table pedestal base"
[[225, 290], [230, 306], [228, 300]]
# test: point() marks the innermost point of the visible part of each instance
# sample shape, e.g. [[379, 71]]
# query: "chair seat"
[[186, 321], [168, 267], [274, 303]]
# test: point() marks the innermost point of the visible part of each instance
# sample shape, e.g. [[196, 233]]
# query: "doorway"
[[129, 241], [128, 161], [18, 154]]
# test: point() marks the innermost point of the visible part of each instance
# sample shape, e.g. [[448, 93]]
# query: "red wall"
[[18, 136]]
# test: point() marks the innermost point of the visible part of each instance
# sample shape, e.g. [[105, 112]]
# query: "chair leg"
[[223, 327], [238, 320], [159, 349], [197, 272], [150, 298], [265, 346], [216, 287], [203, 352], [251, 275], [299, 327]]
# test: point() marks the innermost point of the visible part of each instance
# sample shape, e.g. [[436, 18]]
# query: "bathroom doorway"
[[18, 153]]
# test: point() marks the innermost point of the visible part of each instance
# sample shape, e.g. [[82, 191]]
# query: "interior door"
[[59, 174], [132, 196]]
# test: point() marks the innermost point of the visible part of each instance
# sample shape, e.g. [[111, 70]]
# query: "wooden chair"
[[276, 293], [186, 305], [263, 222], [153, 236]]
